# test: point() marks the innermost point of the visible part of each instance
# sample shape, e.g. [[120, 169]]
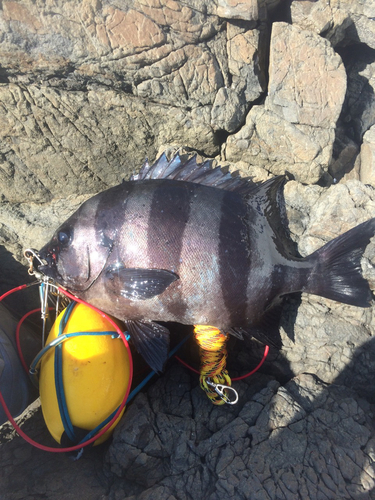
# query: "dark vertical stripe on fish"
[[110, 214], [169, 214], [168, 217], [133, 236], [234, 256]]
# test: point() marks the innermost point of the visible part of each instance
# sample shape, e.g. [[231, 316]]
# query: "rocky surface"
[[87, 91], [306, 439], [303, 440], [294, 129]]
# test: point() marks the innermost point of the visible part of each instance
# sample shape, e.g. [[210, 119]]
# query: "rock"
[[28, 473], [367, 158], [344, 156], [359, 107], [340, 22], [298, 91], [363, 168], [246, 60], [247, 10], [106, 44], [294, 130], [358, 113], [246, 49], [238, 9], [234, 106], [305, 438], [56, 143], [84, 104]]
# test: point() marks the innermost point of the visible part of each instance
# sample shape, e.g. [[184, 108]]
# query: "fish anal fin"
[[267, 330]]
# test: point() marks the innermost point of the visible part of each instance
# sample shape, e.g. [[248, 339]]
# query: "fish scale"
[[183, 242]]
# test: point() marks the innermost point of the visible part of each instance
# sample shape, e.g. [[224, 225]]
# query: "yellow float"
[[94, 371]]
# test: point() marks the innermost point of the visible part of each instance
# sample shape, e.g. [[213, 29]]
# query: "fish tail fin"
[[336, 268]]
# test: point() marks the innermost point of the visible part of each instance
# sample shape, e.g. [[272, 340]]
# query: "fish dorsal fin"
[[268, 199], [189, 170]]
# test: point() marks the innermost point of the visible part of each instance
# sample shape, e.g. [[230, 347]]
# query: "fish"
[[184, 242]]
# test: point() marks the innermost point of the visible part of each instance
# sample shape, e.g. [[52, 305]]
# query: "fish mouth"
[[41, 263], [47, 265]]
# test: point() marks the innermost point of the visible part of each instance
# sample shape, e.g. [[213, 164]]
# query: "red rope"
[[118, 412], [121, 407], [265, 354], [11, 291], [18, 341]]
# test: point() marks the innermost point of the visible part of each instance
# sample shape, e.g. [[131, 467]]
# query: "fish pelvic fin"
[[336, 268], [151, 341]]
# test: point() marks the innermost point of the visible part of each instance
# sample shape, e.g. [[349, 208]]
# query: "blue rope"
[[59, 383], [99, 427], [57, 344]]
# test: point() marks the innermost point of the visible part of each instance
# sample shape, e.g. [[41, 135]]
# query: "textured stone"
[[83, 103], [307, 79], [363, 168], [234, 106], [367, 158], [238, 9], [341, 21], [294, 130], [359, 107], [306, 438], [246, 60], [28, 473]]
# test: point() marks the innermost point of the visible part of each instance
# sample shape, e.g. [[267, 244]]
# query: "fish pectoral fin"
[[138, 283], [151, 341]]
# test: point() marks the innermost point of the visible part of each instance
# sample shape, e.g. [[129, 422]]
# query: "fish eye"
[[63, 237]]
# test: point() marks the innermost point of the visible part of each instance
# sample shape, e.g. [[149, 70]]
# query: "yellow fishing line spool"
[[95, 373], [213, 353]]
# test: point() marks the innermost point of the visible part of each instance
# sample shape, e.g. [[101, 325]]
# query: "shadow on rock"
[[306, 439], [359, 374]]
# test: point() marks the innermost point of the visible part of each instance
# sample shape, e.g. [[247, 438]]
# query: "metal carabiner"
[[220, 388], [31, 254]]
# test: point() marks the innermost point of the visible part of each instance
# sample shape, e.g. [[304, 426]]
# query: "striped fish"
[[187, 243]]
